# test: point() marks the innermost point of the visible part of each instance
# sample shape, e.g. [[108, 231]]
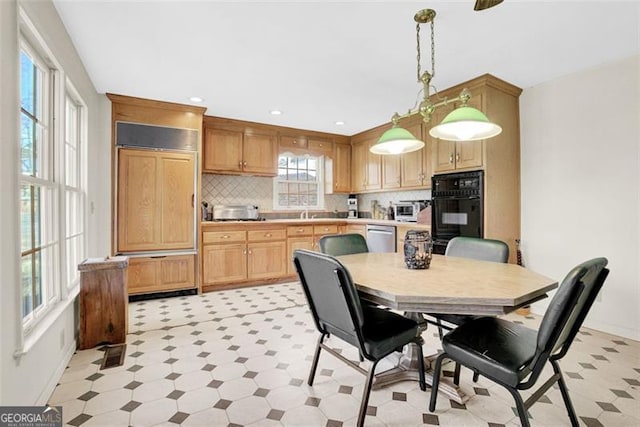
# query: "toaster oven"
[[408, 211]]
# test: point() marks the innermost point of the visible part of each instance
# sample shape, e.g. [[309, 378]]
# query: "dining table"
[[450, 285]]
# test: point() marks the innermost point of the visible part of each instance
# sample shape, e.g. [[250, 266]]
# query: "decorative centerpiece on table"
[[418, 249]]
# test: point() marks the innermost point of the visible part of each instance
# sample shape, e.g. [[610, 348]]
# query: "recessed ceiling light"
[[196, 99], [276, 112], [340, 123]]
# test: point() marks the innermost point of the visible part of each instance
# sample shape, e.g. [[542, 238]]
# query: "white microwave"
[[407, 211]]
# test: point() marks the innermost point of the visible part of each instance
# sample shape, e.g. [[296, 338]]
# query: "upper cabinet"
[[230, 147], [366, 170], [246, 148], [371, 172], [341, 168], [416, 167], [451, 156]]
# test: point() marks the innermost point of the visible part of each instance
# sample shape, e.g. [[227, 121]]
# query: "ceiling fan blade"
[[486, 4]]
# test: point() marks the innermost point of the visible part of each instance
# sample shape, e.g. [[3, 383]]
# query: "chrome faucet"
[[304, 214]]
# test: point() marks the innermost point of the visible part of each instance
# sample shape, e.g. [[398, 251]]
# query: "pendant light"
[[465, 123]]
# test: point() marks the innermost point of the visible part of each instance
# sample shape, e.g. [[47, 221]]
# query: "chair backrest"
[[343, 244], [332, 296], [477, 248], [568, 309]]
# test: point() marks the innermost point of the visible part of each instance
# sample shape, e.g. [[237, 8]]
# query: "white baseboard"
[[56, 375]]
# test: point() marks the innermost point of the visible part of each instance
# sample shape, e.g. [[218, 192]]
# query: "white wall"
[[580, 137], [30, 379]]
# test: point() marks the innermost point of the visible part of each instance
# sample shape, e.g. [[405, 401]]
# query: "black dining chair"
[[475, 248], [513, 355], [343, 244], [336, 308]]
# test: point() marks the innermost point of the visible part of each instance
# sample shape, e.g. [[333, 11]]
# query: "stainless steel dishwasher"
[[381, 238]]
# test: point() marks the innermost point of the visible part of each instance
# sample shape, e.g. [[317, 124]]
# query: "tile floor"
[[241, 358]]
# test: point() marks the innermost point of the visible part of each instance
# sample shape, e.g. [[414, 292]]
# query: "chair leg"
[[437, 370], [365, 395], [423, 383], [316, 357], [439, 328], [522, 411], [456, 374], [565, 394]]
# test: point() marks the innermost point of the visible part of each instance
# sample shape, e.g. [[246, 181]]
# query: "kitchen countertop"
[[297, 221]]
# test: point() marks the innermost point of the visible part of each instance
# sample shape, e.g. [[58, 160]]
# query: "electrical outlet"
[[62, 339]]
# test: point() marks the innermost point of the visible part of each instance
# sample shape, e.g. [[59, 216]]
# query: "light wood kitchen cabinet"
[[341, 168], [356, 228], [224, 263], [499, 156], [320, 146], [293, 243], [234, 256], [231, 151], [160, 273], [455, 155], [298, 237], [366, 166], [155, 200], [155, 149], [416, 167], [266, 251], [292, 143], [358, 169], [322, 230], [306, 236], [391, 172]]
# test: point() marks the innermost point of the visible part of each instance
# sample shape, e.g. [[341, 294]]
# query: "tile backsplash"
[[257, 190], [253, 190]]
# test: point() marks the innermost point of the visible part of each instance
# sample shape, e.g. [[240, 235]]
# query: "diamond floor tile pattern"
[[241, 358]]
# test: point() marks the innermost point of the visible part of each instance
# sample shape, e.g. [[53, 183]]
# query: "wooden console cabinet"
[[103, 302]]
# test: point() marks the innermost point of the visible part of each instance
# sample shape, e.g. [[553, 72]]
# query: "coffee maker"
[[352, 206]]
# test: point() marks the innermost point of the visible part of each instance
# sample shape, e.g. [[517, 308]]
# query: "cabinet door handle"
[[244, 163], [450, 159], [300, 230], [250, 252], [267, 235], [244, 252], [457, 157], [226, 236], [240, 164]]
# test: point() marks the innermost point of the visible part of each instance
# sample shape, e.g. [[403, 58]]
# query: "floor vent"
[[113, 356]]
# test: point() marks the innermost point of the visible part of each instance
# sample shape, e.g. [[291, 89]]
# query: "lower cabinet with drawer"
[[161, 273], [235, 256], [298, 237]]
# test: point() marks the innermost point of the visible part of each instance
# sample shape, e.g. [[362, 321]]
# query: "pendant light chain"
[[433, 51]]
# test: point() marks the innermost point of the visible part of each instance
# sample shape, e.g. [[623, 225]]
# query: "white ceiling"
[[320, 62]]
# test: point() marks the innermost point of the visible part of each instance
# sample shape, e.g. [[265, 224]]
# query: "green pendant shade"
[[465, 124], [396, 141]]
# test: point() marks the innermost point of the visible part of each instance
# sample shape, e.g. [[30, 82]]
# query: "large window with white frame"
[[73, 185], [52, 183], [299, 184]]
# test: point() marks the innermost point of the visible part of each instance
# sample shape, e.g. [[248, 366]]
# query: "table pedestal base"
[[406, 369]]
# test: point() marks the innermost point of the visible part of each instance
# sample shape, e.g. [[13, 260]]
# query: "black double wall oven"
[[457, 201]]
